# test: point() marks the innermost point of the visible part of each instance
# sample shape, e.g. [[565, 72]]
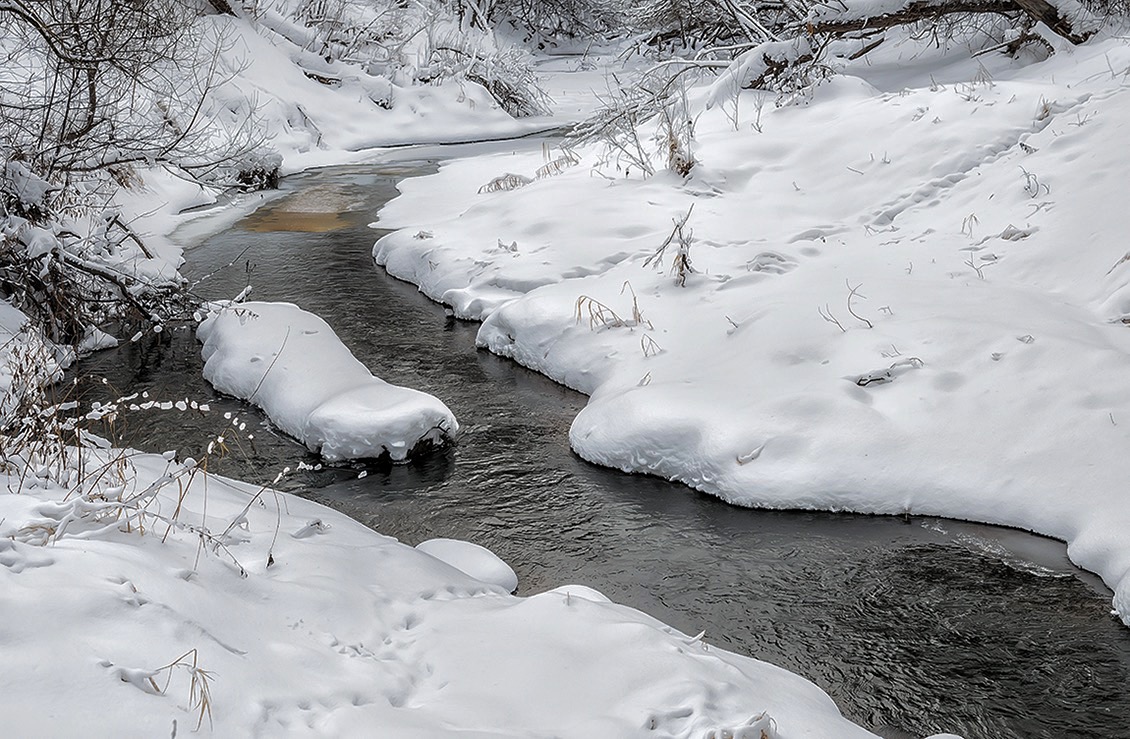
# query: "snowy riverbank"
[[908, 294], [269, 615], [142, 596]]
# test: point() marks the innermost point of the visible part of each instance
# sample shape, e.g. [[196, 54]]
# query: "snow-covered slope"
[[143, 597], [909, 295], [274, 93]]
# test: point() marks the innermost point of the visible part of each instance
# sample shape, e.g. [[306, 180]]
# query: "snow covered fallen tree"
[[1067, 18], [291, 364]]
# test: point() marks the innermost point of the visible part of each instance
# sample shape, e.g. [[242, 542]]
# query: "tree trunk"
[[1054, 18], [223, 7], [928, 10]]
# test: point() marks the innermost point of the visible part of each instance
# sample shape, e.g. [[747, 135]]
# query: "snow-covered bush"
[[787, 48], [386, 41], [93, 95], [504, 71], [359, 32], [61, 449], [646, 122], [682, 23], [681, 238], [71, 269], [714, 23], [546, 21], [89, 87]]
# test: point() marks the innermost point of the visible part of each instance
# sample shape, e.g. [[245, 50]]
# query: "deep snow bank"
[[307, 623], [927, 321], [292, 365]]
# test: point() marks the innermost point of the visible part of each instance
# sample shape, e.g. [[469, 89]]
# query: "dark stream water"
[[914, 626]]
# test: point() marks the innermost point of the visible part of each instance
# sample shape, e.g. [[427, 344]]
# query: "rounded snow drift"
[[472, 559]]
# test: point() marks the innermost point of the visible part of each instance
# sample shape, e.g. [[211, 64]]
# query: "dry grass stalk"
[[199, 686], [557, 166], [600, 315], [681, 265], [506, 182]]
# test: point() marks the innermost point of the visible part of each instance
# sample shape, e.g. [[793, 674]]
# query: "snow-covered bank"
[[291, 364], [262, 614], [908, 294], [157, 598], [309, 109]]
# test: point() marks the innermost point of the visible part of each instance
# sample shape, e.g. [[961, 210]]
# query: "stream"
[[913, 626]]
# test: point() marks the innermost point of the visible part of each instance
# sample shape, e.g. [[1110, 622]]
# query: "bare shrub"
[[682, 237], [677, 135], [504, 72]]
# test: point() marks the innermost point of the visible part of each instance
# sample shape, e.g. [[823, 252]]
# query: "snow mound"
[[290, 363], [472, 559]]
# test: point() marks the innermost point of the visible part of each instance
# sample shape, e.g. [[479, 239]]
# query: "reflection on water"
[[913, 626], [315, 210]]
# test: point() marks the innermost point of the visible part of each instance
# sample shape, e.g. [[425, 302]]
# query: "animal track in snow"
[[771, 262], [16, 558], [820, 233]]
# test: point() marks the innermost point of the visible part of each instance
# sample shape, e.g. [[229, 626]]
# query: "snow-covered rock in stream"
[[290, 363], [472, 559]]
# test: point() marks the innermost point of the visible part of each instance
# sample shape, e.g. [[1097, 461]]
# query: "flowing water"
[[913, 625]]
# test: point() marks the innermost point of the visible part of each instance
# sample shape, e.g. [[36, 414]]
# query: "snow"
[[25, 358], [472, 559], [291, 364], [751, 68], [315, 124], [981, 231], [263, 83], [95, 340], [30, 191]]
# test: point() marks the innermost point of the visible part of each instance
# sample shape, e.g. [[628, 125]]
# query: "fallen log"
[[1076, 25]]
